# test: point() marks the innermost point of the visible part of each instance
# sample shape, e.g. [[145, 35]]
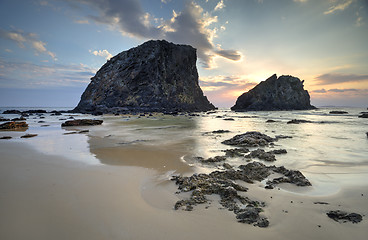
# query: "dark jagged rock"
[[262, 154], [223, 184], [255, 171], [18, 119], [297, 121], [282, 137], [81, 122], [156, 76], [29, 135], [13, 125], [249, 139], [338, 112], [227, 166], [344, 216], [237, 152], [229, 119], [6, 137], [291, 176], [283, 93], [322, 203], [220, 131], [278, 151], [35, 111], [364, 115], [250, 215], [270, 121], [12, 111], [4, 119], [213, 159]]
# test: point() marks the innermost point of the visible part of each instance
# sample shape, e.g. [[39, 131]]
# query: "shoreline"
[[46, 197]]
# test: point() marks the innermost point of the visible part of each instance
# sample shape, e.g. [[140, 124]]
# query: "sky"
[[49, 49]]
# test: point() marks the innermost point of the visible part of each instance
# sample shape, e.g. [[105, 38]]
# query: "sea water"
[[331, 150]]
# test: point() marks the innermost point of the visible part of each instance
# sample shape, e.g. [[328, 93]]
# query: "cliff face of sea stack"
[[283, 93], [156, 76]]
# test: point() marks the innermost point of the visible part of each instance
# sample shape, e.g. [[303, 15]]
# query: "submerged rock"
[[29, 135], [273, 94], [220, 131], [12, 111], [155, 76], [81, 122], [213, 159], [338, 112], [13, 125], [249, 139], [339, 216], [297, 121], [4, 119], [6, 137], [364, 115]]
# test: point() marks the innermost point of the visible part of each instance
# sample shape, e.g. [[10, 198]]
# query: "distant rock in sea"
[[156, 76], [283, 93], [338, 112]]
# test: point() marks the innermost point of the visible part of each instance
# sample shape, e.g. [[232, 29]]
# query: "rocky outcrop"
[[14, 126], [341, 216], [155, 76], [283, 93], [81, 122], [338, 112]]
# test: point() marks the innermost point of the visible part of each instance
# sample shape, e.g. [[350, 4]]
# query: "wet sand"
[[51, 197]]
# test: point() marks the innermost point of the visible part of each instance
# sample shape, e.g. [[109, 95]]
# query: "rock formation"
[[283, 93], [155, 76]]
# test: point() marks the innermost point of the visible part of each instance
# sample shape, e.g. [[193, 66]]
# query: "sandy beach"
[[51, 197]]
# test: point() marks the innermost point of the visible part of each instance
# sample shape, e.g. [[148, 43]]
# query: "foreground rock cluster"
[[226, 183]]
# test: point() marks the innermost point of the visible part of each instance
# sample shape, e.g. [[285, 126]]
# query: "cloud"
[[226, 83], [102, 53], [332, 78], [319, 91], [223, 90], [29, 75], [344, 90], [339, 7], [127, 15], [230, 54], [338, 90], [84, 21], [192, 25], [30, 39], [220, 5]]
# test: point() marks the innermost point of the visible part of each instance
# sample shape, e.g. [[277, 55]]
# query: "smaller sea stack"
[[275, 94]]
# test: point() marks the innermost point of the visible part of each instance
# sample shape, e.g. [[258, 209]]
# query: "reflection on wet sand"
[[161, 158]]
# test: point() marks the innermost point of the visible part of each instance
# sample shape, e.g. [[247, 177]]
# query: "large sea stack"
[[274, 94], [156, 76]]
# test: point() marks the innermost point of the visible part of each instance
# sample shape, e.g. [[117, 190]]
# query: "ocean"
[[331, 150]]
